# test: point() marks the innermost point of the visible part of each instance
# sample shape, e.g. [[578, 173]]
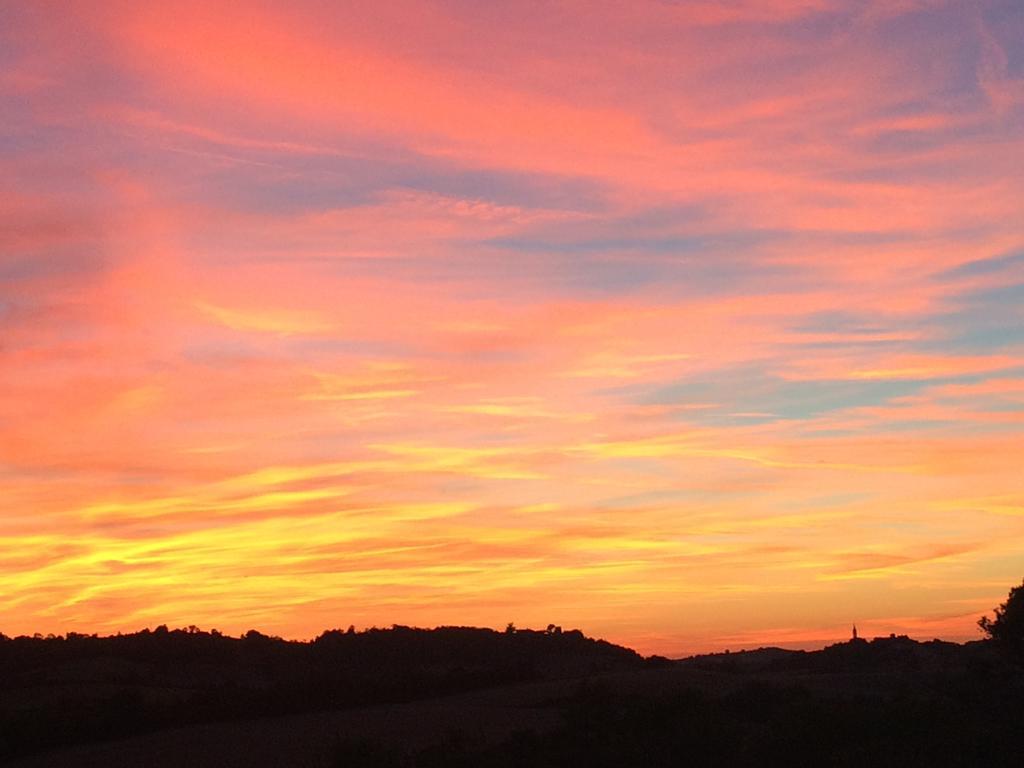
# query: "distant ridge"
[[859, 654]]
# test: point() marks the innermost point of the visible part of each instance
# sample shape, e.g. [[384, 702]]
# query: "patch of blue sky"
[[1004, 20], [671, 245], [945, 32], [622, 257], [985, 320], [594, 276], [261, 179], [64, 262], [985, 335], [1003, 405], [1010, 294], [501, 187], [747, 395], [808, 399], [903, 142], [1012, 262], [588, 233], [946, 426], [925, 167], [607, 255], [15, 46], [20, 136], [842, 322]]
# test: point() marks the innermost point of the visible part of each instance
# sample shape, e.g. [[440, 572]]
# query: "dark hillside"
[[405, 698], [66, 690]]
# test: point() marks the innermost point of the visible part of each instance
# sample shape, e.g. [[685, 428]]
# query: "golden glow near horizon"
[[690, 325]]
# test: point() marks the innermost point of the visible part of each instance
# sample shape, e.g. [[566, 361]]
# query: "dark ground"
[[462, 697]]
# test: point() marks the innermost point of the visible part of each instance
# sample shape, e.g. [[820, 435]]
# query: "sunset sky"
[[694, 325]]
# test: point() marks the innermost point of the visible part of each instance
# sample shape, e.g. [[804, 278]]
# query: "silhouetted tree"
[[1007, 628]]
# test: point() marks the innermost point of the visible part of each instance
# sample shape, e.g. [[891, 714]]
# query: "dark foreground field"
[[470, 697]]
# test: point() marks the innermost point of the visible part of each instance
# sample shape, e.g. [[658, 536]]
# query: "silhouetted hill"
[[410, 698], [881, 654], [65, 690]]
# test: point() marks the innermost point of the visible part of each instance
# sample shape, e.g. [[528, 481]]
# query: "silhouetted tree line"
[[60, 690], [888, 701]]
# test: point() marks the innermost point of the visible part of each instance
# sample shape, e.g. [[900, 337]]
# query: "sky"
[[693, 325]]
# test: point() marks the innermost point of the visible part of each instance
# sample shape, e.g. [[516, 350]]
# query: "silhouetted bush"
[[1007, 627]]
